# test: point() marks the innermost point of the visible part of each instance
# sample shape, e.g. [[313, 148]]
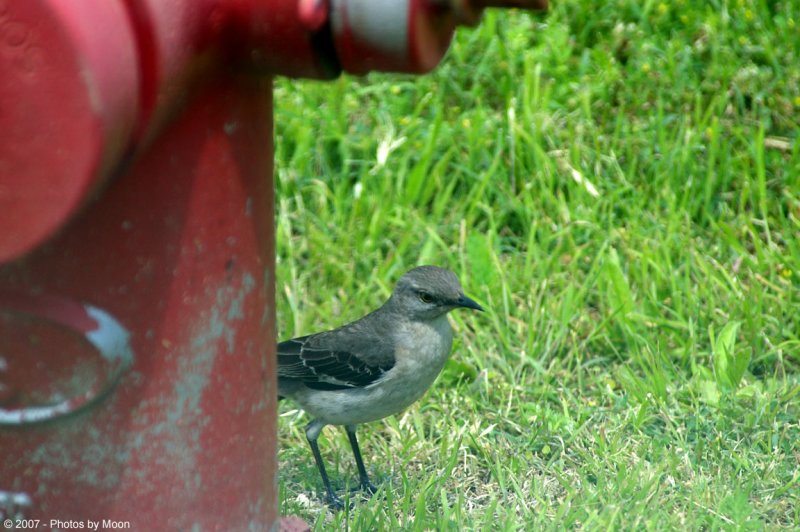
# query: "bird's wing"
[[315, 361]]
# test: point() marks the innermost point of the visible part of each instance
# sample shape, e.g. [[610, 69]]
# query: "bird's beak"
[[464, 301]]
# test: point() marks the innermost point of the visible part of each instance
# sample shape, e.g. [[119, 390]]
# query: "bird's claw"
[[334, 502], [368, 487]]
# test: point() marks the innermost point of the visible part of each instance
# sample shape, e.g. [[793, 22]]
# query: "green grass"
[[619, 184]]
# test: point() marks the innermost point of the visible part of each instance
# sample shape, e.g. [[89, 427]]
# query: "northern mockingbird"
[[375, 366]]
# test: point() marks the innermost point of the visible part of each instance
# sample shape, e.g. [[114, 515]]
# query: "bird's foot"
[[366, 486], [334, 502]]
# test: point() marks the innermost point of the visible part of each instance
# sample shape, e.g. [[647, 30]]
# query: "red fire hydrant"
[[137, 370]]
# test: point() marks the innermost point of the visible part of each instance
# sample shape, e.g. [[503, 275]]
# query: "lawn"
[[618, 184]]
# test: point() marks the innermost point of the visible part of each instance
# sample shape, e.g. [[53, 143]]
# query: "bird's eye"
[[425, 297]]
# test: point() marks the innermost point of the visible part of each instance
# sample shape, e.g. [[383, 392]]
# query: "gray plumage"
[[375, 366]]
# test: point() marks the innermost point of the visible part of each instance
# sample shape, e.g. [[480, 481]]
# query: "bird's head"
[[427, 292]]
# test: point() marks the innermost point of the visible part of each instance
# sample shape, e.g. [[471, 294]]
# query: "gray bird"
[[375, 366]]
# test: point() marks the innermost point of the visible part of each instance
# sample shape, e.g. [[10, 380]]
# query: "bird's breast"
[[421, 350]]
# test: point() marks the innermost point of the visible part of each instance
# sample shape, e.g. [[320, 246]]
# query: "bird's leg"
[[363, 479], [312, 433]]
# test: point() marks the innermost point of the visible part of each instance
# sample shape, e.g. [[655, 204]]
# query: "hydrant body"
[[137, 307], [175, 427]]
